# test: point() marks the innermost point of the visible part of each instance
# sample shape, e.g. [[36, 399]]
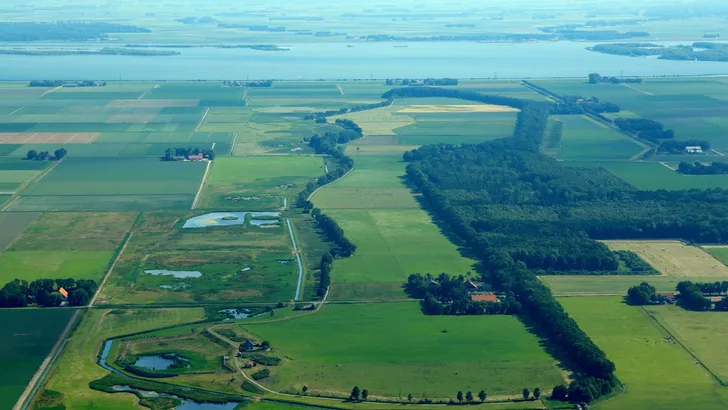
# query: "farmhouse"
[[247, 346], [694, 149], [484, 297]]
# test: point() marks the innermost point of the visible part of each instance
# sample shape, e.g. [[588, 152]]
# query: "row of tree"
[[45, 292], [57, 155], [649, 130], [334, 233], [427, 81], [595, 78], [59, 83], [63, 30], [177, 154], [576, 104], [258, 84], [697, 168], [321, 116], [327, 260]]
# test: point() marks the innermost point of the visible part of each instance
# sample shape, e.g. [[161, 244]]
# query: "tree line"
[[427, 81], [697, 168], [57, 155], [63, 30], [259, 83], [321, 115], [45, 292], [595, 78], [60, 83], [177, 154]]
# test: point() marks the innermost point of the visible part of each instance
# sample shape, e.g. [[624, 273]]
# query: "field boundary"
[[329, 184], [22, 187], [127, 239], [683, 346], [202, 120], [196, 200], [38, 379], [297, 295]]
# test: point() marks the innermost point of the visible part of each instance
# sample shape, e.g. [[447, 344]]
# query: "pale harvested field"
[[131, 118], [284, 110], [673, 258], [380, 121], [153, 103], [48, 137], [430, 109]]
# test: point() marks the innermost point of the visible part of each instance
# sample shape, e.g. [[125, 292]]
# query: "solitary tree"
[[266, 344], [409, 397], [482, 396], [355, 393], [364, 394], [526, 394], [460, 396], [469, 396], [536, 393], [32, 155], [305, 389]]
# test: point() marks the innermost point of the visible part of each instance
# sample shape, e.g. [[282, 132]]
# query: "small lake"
[[231, 218], [179, 274], [157, 362], [186, 404]]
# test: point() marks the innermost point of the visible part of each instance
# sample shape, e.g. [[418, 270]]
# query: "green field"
[[435, 356], [31, 265], [12, 224], [256, 183], [612, 285], [27, 338], [657, 373], [653, 176], [584, 138]]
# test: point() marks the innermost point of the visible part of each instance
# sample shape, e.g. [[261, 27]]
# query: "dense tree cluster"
[[177, 154], [325, 280], [595, 78], [449, 295], [60, 83], [259, 84], [678, 147], [423, 92], [691, 298], [712, 288], [439, 82], [45, 292], [350, 125], [57, 155], [334, 233], [697, 168], [644, 294], [63, 30], [633, 262], [649, 130], [698, 51]]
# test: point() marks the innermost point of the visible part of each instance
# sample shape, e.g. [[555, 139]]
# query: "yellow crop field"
[[673, 258]]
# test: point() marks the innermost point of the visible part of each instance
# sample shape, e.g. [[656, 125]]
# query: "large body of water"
[[330, 61]]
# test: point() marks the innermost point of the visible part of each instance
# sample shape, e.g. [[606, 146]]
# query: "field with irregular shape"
[[434, 355], [651, 176], [657, 373], [26, 339], [673, 258]]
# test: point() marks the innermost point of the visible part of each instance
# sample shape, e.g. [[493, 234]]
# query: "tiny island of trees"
[[57, 155]]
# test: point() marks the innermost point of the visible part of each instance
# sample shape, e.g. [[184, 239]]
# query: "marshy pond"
[[179, 274], [232, 218], [161, 361]]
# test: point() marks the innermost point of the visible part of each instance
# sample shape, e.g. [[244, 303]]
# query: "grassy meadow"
[[657, 373], [435, 356]]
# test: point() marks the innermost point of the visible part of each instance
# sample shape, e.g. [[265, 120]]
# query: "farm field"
[[700, 332], [584, 138], [643, 354], [652, 176], [27, 338], [407, 364], [673, 258], [12, 224], [575, 285]]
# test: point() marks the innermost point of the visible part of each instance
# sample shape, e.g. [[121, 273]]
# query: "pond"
[[236, 313], [159, 362], [186, 404], [230, 218], [179, 274]]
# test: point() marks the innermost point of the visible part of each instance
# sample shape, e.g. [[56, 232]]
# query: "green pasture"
[[456, 128], [32, 265], [27, 338], [718, 252], [653, 176], [77, 366], [584, 138], [12, 224], [254, 183], [699, 332], [431, 355], [238, 263], [657, 373], [611, 285]]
